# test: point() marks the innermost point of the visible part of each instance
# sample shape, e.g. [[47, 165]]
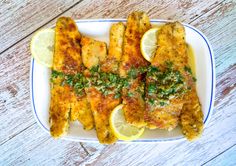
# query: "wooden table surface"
[[23, 142]]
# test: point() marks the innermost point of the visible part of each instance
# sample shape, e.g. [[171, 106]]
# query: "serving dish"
[[99, 29]]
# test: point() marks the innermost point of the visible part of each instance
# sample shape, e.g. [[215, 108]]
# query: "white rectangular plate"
[[99, 29]]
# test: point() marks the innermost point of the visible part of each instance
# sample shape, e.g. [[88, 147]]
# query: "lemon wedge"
[[42, 46], [122, 129], [148, 44]]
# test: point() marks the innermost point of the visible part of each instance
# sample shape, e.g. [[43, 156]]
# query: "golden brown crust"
[[191, 118], [93, 52], [59, 110], [64, 101], [171, 47], [134, 105], [80, 110], [67, 57], [137, 24], [186, 109], [102, 106], [115, 48]]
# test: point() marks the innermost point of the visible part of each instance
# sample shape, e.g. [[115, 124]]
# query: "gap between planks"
[[40, 27], [18, 133], [219, 154]]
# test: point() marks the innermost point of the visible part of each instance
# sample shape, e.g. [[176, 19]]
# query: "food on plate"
[[42, 46], [103, 86], [137, 24], [130, 66], [143, 80], [66, 103], [115, 51], [122, 129], [170, 88], [93, 52]]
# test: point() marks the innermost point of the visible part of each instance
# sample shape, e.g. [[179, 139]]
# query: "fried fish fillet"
[[64, 101], [101, 105], [137, 24], [93, 52], [172, 47], [191, 118], [115, 48]]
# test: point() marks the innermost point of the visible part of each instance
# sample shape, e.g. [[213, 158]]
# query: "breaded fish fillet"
[[93, 52], [101, 105], [64, 101], [172, 47], [137, 24], [115, 48], [191, 118]]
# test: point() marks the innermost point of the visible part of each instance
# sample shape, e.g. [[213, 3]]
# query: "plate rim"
[[212, 98]]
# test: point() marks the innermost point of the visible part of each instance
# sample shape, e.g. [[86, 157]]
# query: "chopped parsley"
[[163, 85]]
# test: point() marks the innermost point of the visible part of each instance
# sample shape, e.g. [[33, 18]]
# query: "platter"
[[99, 29]]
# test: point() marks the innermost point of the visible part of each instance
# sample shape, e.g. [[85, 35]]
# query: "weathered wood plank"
[[35, 147], [20, 18], [172, 9], [219, 26], [226, 158], [15, 107], [14, 27]]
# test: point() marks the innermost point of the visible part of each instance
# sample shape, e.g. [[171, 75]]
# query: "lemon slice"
[[122, 129], [42, 46], [149, 44]]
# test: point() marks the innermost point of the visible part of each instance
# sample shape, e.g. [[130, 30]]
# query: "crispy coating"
[[137, 24], [101, 105], [80, 110], [187, 109], [191, 118], [93, 52], [115, 48], [59, 110], [67, 59], [134, 105], [171, 47]]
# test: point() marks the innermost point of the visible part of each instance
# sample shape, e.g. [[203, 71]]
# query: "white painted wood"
[[34, 147], [19, 18], [226, 158]]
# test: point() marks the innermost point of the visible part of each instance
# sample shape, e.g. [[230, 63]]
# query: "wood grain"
[[19, 130], [20, 18], [36, 147], [226, 158]]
